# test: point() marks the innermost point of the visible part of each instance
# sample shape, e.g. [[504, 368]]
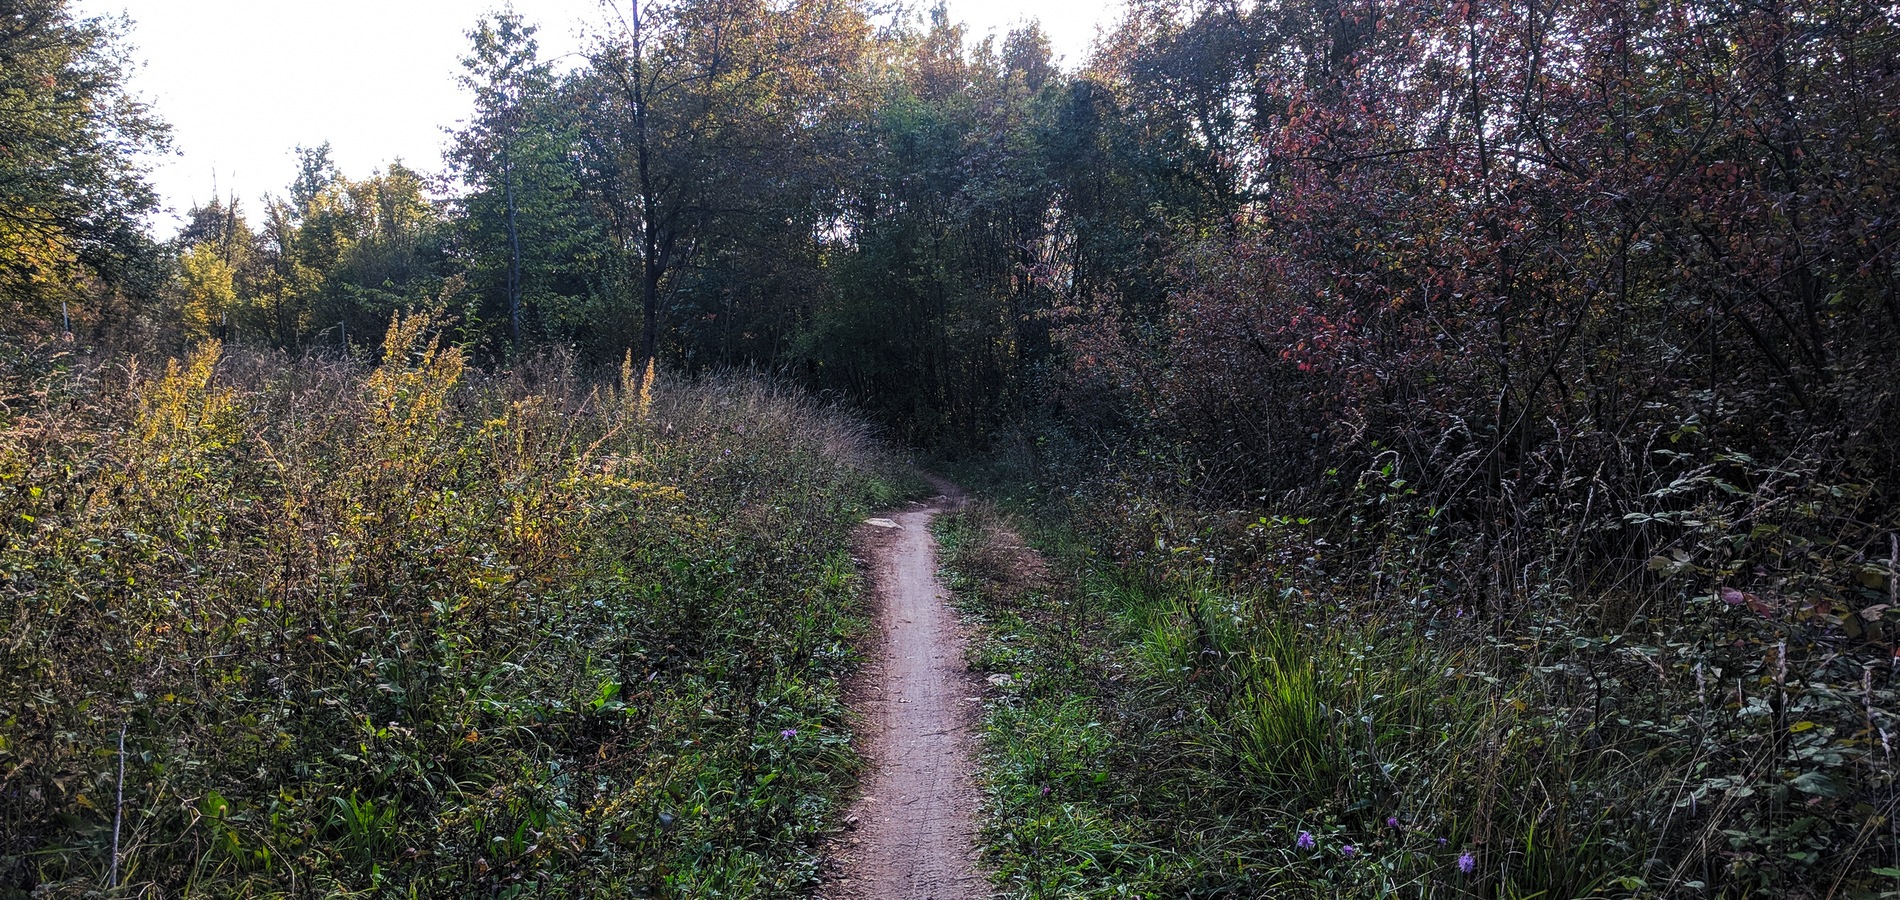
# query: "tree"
[[1542, 258], [72, 139], [208, 289], [503, 72], [336, 254], [531, 244], [704, 119], [935, 315]]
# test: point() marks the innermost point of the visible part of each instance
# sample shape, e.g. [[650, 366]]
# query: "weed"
[[1201, 736], [410, 630]]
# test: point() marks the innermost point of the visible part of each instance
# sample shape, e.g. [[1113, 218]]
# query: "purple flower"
[[1391, 821], [1305, 841], [1349, 851], [1466, 863], [788, 733], [1441, 842]]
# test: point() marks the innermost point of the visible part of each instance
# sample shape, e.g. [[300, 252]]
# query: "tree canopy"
[[74, 145]]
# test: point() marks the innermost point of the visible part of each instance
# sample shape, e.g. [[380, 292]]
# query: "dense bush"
[[1540, 385], [294, 628], [1567, 272]]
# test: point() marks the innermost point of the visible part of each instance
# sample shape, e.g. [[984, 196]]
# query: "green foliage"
[[713, 149], [983, 204], [72, 186], [333, 261], [413, 630], [533, 248], [1169, 732]]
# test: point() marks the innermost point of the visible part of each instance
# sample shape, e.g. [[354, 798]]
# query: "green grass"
[[405, 630], [1168, 734]]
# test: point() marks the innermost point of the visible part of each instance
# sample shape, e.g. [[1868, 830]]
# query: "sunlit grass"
[[408, 630]]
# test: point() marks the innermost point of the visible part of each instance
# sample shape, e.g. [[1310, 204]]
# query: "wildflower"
[[1441, 842], [1349, 851], [1391, 821], [1466, 863], [1305, 841], [788, 733]]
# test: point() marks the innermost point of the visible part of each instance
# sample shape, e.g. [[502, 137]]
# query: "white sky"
[[244, 82]]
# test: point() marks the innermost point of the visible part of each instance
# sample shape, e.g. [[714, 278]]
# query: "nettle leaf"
[[1816, 783], [214, 806]]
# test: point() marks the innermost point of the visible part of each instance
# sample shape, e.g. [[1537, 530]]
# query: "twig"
[[1893, 570], [118, 812]]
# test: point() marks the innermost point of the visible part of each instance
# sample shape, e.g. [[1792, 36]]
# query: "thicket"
[[1511, 464], [311, 627]]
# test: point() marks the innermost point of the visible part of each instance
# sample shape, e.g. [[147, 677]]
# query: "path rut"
[[914, 836]]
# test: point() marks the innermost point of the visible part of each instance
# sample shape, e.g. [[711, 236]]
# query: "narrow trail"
[[914, 834]]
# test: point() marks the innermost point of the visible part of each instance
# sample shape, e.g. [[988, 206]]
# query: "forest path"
[[915, 834]]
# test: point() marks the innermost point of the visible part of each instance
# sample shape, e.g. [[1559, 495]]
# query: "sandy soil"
[[911, 834]]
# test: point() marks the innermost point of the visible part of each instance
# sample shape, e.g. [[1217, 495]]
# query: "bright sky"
[[244, 82]]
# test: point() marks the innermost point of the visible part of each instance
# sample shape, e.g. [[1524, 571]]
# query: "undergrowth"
[[320, 628], [1169, 729]]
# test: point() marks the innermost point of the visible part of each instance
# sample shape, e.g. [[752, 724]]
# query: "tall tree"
[[73, 192], [531, 244], [335, 255], [703, 117], [936, 314]]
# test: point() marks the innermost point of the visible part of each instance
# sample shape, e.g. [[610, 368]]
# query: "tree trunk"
[[650, 263], [514, 242]]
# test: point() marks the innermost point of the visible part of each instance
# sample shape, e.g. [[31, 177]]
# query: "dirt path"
[[914, 837]]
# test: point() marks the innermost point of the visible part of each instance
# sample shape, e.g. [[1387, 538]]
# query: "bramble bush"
[[303, 627]]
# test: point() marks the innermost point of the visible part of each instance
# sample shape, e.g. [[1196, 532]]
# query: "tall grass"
[[404, 629], [1289, 736]]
